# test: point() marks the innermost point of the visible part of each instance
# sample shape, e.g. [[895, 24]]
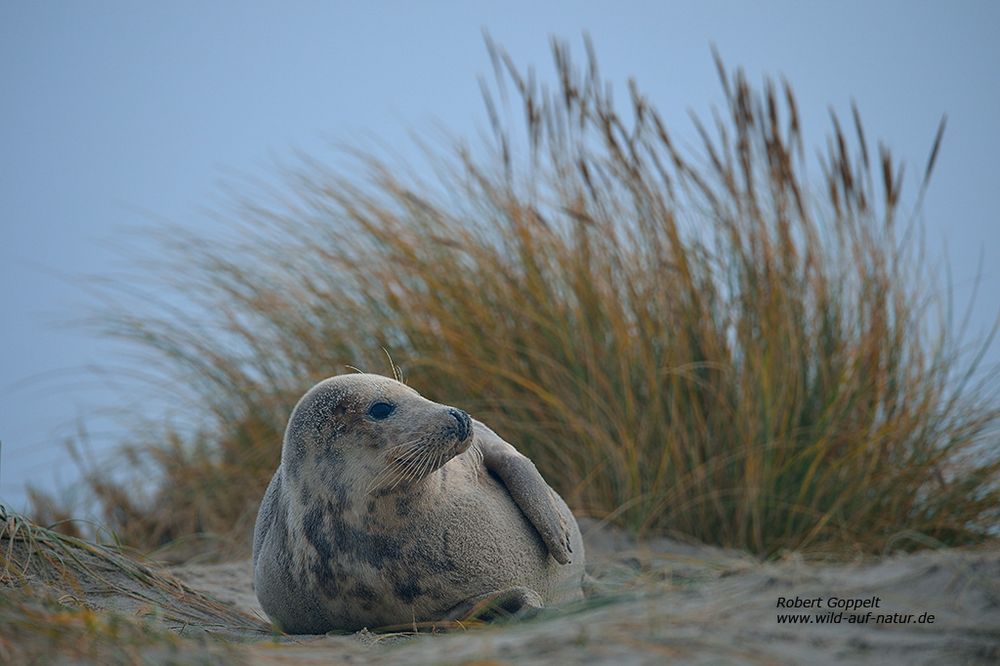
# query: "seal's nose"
[[464, 422]]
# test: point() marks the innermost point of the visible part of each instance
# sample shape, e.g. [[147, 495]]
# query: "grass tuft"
[[63, 599], [703, 342]]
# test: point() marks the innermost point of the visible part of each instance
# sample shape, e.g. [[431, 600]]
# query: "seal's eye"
[[381, 410]]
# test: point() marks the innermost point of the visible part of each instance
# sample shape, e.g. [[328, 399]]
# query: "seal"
[[390, 509]]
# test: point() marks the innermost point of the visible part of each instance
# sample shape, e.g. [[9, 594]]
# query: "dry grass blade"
[[33, 556]]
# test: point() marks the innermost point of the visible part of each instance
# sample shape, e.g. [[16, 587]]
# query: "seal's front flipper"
[[529, 490], [516, 602]]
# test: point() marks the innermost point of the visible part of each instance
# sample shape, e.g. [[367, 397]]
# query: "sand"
[[666, 600], [650, 603]]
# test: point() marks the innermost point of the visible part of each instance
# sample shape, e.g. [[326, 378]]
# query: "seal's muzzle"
[[464, 423]]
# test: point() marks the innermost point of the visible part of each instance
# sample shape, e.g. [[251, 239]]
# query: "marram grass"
[[703, 342], [66, 600]]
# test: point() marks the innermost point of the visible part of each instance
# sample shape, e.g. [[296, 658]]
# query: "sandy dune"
[[664, 600], [649, 603]]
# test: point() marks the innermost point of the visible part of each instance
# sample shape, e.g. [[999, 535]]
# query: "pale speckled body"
[[330, 553]]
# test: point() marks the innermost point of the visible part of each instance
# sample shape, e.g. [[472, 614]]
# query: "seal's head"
[[370, 434]]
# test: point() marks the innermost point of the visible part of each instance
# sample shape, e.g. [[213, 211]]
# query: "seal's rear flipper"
[[516, 602], [529, 490]]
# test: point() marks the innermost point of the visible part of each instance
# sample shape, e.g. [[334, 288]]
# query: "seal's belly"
[[472, 540], [490, 542]]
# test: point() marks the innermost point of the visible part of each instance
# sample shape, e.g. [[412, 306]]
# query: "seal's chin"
[[450, 445], [460, 446]]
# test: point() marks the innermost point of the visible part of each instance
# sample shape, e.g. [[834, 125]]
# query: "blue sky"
[[118, 115]]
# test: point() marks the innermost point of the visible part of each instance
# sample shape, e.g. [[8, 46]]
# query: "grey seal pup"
[[389, 509]]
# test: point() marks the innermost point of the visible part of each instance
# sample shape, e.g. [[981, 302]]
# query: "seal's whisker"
[[438, 460], [394, 472], [479, 460], [407, 447], [421, 470], [409, 468], [401, 475], [379, 479], [415, 440], [383, 482], [404, 470], [375, 483], [415, 473], [428, 466], [441, 461], [409, 454], [388, 474]]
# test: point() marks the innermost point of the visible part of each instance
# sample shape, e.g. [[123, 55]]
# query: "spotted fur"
[[371, 522]]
